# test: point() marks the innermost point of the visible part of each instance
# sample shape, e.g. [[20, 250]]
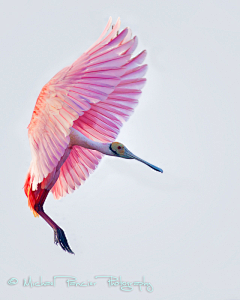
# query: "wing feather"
[[95, 95]]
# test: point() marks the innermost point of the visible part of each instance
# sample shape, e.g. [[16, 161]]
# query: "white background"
[[179, 229]]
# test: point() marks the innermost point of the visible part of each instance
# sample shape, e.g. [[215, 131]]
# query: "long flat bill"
[[131, 155]]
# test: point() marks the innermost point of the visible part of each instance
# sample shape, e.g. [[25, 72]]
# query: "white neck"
[[77, 138]]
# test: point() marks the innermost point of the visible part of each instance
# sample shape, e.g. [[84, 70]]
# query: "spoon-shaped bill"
[[130, 155]]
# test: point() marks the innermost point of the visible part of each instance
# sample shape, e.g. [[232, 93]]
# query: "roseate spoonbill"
[[78, 115]]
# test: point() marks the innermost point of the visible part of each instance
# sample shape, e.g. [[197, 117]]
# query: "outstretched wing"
[[94, 95]]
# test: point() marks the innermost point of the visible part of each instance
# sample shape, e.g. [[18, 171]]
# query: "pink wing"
[[95, 95]]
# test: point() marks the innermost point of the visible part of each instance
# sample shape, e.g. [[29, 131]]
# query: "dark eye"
[[119, 147]]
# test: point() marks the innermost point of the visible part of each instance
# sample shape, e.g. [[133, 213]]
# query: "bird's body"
[[77, 117]]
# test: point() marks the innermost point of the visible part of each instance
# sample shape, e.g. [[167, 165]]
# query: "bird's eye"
[[119, 147]]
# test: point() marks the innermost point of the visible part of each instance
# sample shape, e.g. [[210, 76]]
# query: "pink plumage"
[[93, 96]]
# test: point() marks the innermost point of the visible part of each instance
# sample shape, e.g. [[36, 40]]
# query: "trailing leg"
[[59, 235]]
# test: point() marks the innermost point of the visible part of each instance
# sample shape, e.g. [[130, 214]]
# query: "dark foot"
[[59, 237]]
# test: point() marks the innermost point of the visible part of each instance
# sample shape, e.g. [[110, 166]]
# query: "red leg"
[[59, 235]]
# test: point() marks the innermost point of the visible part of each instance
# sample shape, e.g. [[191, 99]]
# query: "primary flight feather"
[[77, 118]]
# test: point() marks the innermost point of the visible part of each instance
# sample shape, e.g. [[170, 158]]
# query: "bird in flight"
[[77, 117]]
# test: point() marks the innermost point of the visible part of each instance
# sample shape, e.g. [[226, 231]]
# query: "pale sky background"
[[179, 229]]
